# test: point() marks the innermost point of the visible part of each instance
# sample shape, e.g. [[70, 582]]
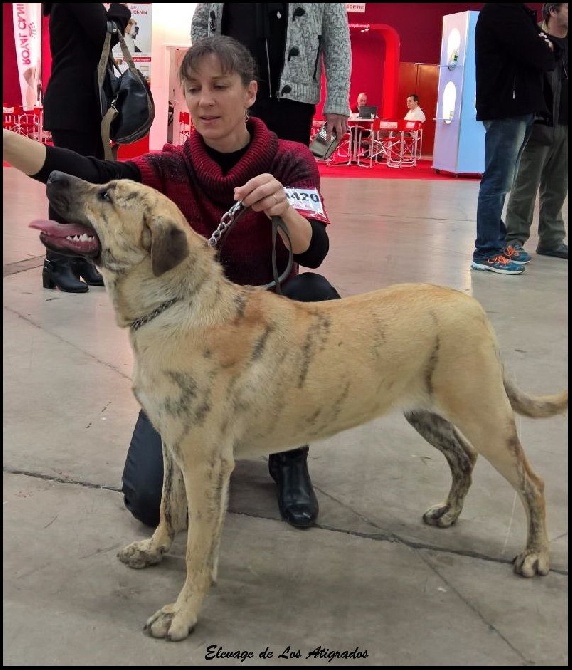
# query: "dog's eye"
[[104, 195]]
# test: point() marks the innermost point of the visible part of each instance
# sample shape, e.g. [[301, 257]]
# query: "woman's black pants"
[[143, 471]]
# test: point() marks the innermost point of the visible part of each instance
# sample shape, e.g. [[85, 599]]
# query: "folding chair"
[[401, 142], [370, 145]]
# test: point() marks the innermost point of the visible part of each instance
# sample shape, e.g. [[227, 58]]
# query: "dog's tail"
[[535, 407]]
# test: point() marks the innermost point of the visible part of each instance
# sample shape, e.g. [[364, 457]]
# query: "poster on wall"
[[355, 7], [137, 39], [27, 38]]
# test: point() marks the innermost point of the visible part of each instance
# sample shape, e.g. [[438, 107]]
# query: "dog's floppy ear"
[[169, 245]]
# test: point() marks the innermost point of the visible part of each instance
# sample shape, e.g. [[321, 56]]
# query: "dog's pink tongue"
[[55, 229]]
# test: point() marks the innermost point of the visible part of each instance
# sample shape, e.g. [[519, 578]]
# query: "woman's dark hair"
[[232, 55]]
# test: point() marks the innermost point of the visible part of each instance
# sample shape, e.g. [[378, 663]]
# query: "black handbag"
[[126, 103]]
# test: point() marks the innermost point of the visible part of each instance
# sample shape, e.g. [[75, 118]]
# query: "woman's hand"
[[263, 193]]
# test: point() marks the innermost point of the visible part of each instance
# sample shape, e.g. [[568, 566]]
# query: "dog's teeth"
[[84, 237]]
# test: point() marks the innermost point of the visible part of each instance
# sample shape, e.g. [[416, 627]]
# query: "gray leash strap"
[[228, 220], [278, 224]]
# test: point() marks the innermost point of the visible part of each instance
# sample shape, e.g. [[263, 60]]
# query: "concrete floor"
[[371, 575]]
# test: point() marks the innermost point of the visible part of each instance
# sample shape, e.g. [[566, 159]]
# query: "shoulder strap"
[[101, 70], [126, 54], [104, 59]]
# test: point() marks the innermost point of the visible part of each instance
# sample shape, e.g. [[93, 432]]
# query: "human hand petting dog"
[[264, 193]]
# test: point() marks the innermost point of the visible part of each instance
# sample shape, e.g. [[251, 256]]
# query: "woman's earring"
[[246, 114]]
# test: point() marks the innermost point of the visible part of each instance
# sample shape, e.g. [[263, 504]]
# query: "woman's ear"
[[251, 92]]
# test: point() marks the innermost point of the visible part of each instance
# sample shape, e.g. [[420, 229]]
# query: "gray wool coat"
[[317, 36]]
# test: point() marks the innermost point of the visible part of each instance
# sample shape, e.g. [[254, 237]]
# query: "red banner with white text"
[[27, 37]]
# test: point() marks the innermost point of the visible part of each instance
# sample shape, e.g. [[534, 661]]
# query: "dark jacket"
[[543, 130], [77, 34], [511, 60]]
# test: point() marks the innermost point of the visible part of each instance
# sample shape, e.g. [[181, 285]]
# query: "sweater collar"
[[258, 155]]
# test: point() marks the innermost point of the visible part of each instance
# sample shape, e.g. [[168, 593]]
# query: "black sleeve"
[[85, 167], [120, 15], [92, 19], [318, 249]]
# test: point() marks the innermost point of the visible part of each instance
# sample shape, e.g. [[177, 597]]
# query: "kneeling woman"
[[226, 158]]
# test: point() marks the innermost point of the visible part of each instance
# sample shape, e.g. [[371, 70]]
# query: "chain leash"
[[227, 220], [230, 217]]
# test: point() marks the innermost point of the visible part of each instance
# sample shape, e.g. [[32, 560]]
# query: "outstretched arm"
[[24, 154], [37, 161]]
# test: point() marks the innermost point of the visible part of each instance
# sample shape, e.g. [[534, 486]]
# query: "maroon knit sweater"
[[196, 183]]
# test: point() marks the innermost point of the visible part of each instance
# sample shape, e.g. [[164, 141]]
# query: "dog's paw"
[[170, 623], [441, 516], [531, 563], [140, 554]]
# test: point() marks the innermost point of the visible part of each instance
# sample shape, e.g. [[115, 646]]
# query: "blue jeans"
[[505, 140]]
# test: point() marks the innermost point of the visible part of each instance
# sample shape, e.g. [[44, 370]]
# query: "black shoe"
[[561, 251], [58, 273], [296, 498], [85, 269]]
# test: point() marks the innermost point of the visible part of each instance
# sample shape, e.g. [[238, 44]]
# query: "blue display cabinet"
[[459, 138]]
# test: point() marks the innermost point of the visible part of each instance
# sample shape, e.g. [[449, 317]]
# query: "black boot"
[[58, 273], [85, 269], [296, 498]]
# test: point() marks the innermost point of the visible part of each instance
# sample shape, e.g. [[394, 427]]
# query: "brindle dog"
[[223, 371]]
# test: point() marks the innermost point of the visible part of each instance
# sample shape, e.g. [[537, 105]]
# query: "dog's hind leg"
[[485, 417], [172, 519], [206, 483], [460, 456], [494, 436]]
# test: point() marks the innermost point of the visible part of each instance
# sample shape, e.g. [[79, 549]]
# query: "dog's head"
[[118, 225]]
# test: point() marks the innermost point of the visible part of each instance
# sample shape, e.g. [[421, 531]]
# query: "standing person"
[[71, 109], [227, 157], [511, 56], [543, 167], [414, 112], [289, 42]]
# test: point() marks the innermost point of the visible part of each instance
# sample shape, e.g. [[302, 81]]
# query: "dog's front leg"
[[172, 519], [206, 484]]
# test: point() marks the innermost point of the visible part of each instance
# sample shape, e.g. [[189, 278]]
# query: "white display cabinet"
[[459, 138]]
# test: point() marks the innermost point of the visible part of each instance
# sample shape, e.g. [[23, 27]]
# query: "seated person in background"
[[414, 113], [362, 128], [361, 101]]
